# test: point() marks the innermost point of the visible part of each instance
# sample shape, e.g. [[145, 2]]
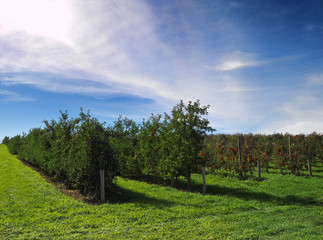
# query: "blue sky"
[[259, 64]]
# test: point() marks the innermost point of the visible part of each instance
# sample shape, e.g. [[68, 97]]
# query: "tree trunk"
[[290, 155], [259, 169], [102, 186], [310, 167], [176, 182], [204, 181], [240, 158], [297, 172]]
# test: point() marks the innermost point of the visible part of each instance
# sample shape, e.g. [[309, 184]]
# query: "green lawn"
[[280, 207]]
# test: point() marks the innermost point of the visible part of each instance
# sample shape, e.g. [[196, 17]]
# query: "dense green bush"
[[14, 144], [5, 140], [79, 149], [35, 147], [124, 141], [71, 150]]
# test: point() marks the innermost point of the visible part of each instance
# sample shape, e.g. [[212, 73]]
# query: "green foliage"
[[5, 140], [89, 152], [150, 146], [161, 146], [186, 132], [71, 150], [124, 142], [14, 144], [35, 147]]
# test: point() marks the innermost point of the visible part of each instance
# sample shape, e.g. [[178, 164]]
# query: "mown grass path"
[[280, 207]]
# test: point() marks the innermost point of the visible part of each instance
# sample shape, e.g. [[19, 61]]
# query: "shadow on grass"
[[121, 195], [128, 196], [245, 194]]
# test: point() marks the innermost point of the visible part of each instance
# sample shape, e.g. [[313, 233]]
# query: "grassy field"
[[280, 207]]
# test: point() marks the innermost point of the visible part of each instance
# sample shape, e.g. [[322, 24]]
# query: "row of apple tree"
[[71, 150], [164, 146], [74, 150], [243, 154]]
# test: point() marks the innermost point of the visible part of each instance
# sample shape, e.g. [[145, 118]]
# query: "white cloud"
[[300, 114], [114, 43], [13, 97], [236, 60], [315, 80], [302, 127]]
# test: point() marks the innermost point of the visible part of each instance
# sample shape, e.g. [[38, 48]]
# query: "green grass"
[[280, 207]]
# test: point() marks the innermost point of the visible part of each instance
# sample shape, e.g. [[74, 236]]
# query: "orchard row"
[[75, 150], [242, 154]]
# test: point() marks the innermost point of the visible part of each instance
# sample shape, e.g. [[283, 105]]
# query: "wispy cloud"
[[236, 60], [10, 96], [110, 54], [301, 112], [296, 118], [315, 80]]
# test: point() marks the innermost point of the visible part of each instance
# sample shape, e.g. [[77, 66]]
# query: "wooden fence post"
[[240, 158], [310, 167], [204, 181], [259, 169], [172, 182], [290, 154], [102, 187]]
